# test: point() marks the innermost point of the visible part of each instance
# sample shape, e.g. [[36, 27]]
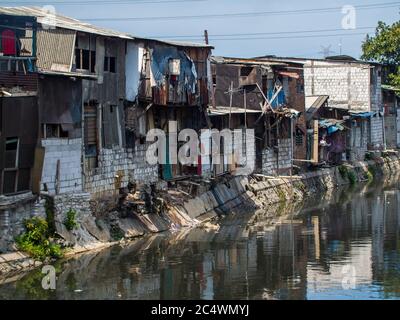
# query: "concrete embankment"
[[100, 225]]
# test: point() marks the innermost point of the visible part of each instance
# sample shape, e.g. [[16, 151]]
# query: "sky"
[[264, 27]]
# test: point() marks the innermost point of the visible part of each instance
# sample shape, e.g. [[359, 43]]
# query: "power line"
[[247, 14], [97, 2], [254, 34], [287, 37]]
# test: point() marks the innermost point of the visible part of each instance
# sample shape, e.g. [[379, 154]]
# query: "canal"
[[344, 247]]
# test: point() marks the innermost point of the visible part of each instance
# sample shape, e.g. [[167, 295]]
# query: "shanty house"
[[167, 88], [354, 86], [18, 102], [267, 97]]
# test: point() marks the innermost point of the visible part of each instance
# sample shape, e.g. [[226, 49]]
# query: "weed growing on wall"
[[36, 240]]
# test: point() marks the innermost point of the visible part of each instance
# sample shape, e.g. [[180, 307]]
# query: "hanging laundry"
[[8, 42]]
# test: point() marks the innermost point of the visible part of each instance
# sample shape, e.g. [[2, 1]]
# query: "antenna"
[[326, 51]]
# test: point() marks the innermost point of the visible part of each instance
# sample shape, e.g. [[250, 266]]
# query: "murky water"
[[347, 247]]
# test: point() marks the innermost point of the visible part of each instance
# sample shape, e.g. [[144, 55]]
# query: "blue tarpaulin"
[[160, 64], [362, 114], [279, 100], [331, 125]]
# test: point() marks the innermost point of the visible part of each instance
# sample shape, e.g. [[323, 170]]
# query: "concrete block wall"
[[391, 131], [117, 167], [13, 211], [376, 132], [69, 152], [270, 164], [346, 84], [359, 140]]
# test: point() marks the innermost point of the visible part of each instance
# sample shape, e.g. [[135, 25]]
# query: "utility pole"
[[206, 36]]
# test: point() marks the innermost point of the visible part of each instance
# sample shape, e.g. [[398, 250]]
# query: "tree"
[[384, 47]]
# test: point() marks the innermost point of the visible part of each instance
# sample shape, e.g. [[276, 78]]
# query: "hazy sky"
[[278, 26]]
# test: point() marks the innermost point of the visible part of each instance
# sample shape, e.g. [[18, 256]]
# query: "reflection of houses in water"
[[291, 260]]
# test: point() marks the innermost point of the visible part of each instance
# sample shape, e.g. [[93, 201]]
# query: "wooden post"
[[245, 109], [315, 142], [206, 36], [230, 103], [57, 178]]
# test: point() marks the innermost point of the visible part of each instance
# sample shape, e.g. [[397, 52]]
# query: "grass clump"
[[70, 220], [36, 240]]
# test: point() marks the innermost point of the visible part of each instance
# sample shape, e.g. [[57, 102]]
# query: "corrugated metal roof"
[[178, 43], [230, 60], [220, 111], [315, 102], [334, 59], [62, 21], [74, 24], [55, 49]]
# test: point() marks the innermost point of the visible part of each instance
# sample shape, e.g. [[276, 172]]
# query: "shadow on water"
[[342, 246]]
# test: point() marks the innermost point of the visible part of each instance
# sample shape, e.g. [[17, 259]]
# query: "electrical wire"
[[245, 14]]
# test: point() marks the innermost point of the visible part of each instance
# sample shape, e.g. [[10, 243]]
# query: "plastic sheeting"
[[280, 100], [160, 58], [362, 114]]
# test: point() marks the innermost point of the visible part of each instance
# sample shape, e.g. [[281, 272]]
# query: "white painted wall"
[[133, 66]]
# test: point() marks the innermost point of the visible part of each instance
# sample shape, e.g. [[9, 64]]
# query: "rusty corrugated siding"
[[27, 82], [55, 49]]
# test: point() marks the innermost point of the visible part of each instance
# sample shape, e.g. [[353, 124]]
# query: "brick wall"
[[69, 153]]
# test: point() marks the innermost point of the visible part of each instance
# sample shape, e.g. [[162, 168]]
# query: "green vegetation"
[[70, 221], [281, 195], [384, 47], [372, 171], [49, 208], [351, 175], [369, 176], [116, 233], [368, 156], [36, 240], [343, 171]]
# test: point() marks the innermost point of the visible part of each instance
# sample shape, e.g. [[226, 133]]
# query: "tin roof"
[[332, 59], [64, 22], [220, 111], [60, 21], [245, 61]]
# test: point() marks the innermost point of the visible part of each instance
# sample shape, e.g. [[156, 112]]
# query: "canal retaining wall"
[[100, 225]]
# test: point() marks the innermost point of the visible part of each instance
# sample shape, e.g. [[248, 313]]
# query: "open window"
[[91, 140], [10, 172], [53, 131], [247, 76], [85, 60], [11, 152], [110, 64]]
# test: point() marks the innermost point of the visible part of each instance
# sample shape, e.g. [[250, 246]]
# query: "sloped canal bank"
[[345, 245]]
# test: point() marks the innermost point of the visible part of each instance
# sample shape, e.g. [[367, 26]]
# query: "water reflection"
[[345, 247]]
